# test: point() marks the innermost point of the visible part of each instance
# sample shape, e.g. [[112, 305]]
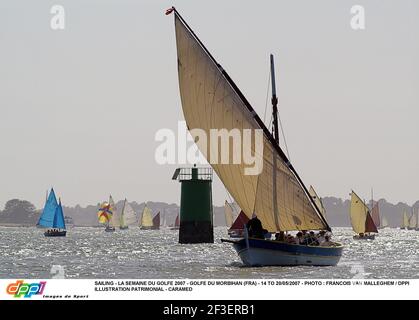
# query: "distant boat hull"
[[365, 237], [149, 228], [55, 233], [123, 228], [109, 229], [174, 228], [260, 252]]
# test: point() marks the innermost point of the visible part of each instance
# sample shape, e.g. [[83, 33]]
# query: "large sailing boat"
[[52, 217], [127, 217], [361, 220], [107, 215], [211, 100]]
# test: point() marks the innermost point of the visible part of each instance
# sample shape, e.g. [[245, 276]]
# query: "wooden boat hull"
[[260, 252], [123, 228], [366, 237], [62, 233], [109, 229]]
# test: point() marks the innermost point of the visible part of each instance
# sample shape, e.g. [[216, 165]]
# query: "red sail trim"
[[370, 225], [240, 221], [156, 221], [177, 223]]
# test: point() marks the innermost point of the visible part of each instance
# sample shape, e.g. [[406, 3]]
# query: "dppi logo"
[[27, 290]]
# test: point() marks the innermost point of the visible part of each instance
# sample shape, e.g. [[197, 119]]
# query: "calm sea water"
[[142, 254]]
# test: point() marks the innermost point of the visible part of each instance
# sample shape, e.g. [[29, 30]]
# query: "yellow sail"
[[358, 213], [318, 201], [146, 217], [210, 100]]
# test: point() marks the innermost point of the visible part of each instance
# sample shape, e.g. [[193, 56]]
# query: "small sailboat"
[[417, 221], [384, 223], [176, 226], [361, 220], [405, 221], [52, 217], [211, 100], [146, 221], [127, 217], [237, 228], [106, 215], [412, 222]]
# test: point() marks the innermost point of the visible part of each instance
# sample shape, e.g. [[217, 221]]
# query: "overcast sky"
[[80, 106]]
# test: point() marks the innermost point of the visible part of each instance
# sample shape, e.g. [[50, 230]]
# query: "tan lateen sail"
[[211, 100], [318, 201], [146, 218]]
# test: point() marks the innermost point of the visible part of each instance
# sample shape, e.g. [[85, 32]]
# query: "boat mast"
[[274, 103], [275, 134]]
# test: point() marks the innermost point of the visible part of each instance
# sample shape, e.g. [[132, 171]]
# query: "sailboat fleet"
[[112, 219]]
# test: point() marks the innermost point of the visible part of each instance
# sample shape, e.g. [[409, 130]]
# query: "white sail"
[[228, 212], [412, 221], [405, 223], [114, 222], [358, 213], [384, 222], [128, 217], [210, 100], [146, 217], [318, 201]]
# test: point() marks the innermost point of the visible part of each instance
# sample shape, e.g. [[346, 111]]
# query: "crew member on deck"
[[254, 228]]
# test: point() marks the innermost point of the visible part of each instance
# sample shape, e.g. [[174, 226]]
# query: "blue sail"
[[47, 216], [59, 218]]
